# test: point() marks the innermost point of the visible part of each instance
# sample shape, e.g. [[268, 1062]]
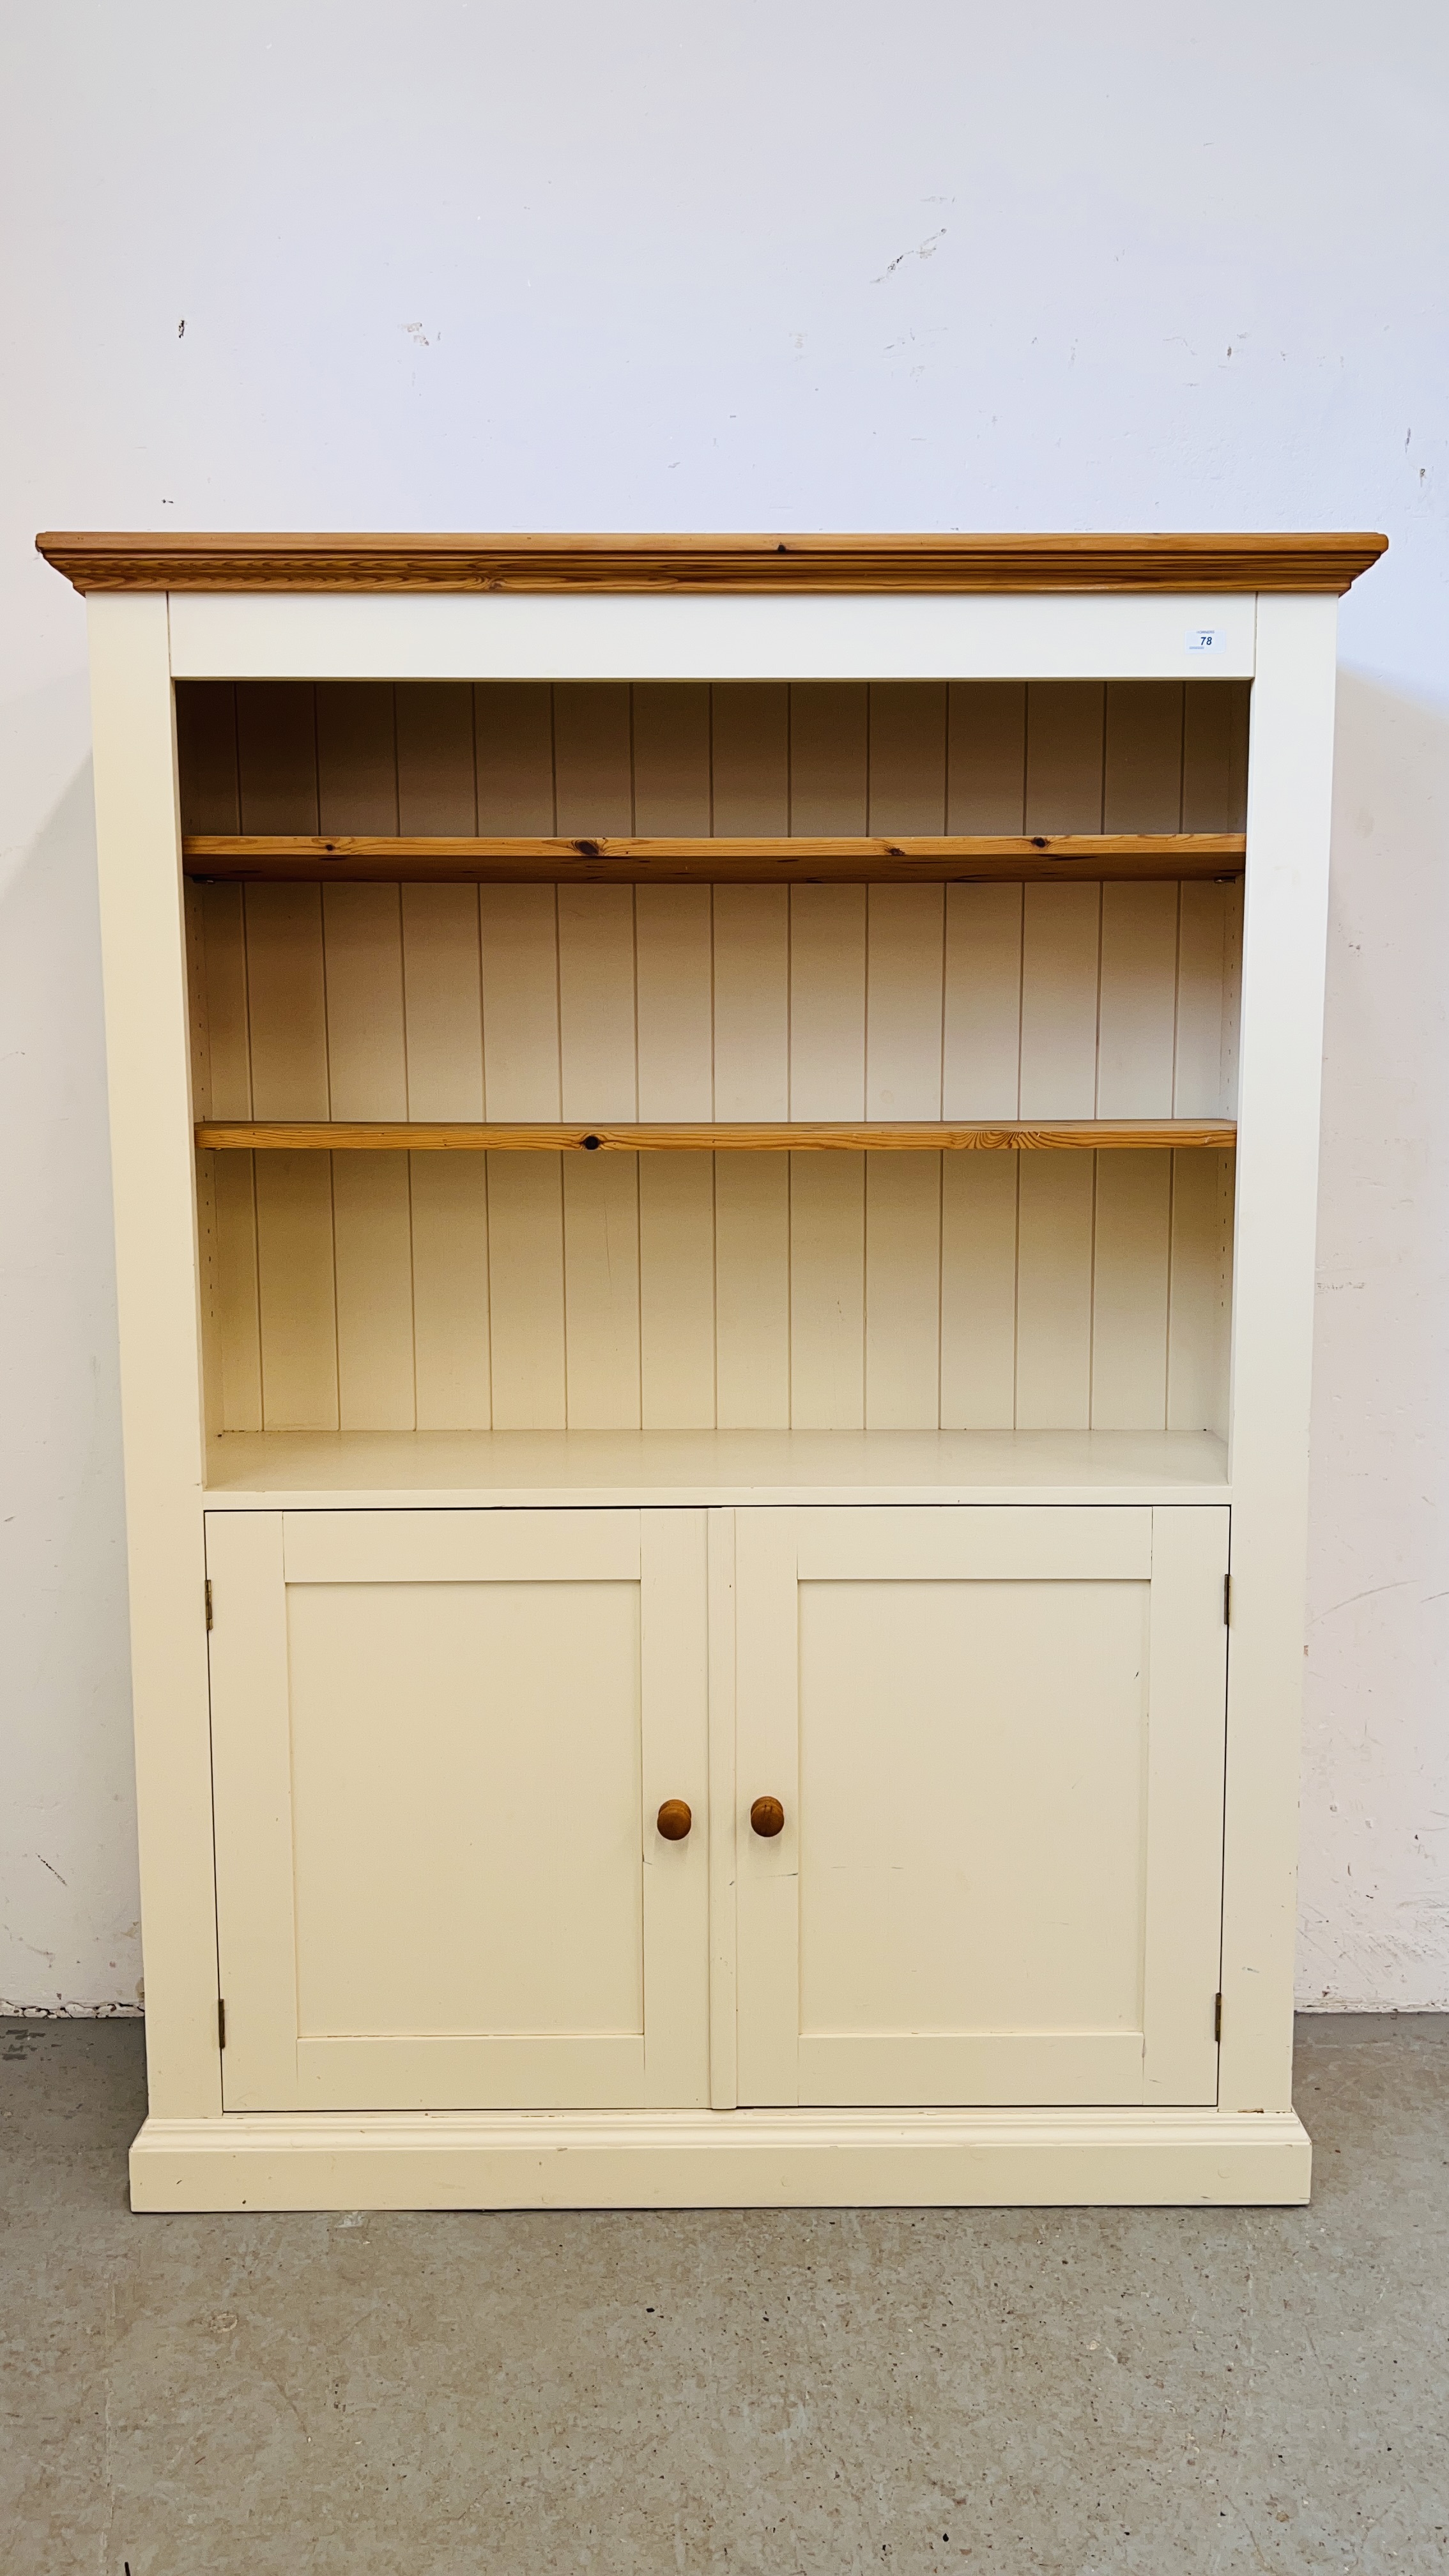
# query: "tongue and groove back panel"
[[592, 758], [438, 1291]]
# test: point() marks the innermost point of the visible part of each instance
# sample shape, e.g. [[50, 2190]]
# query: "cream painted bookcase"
[[715, 1147]]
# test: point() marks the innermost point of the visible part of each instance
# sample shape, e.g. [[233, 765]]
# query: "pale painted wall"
[[816, 265]]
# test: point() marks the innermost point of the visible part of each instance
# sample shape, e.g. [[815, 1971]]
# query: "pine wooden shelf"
[[418, 1136], [283, 857]]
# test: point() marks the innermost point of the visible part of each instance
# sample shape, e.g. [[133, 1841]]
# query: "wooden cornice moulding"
[[418, 1136], [525, 860], [170, 560]]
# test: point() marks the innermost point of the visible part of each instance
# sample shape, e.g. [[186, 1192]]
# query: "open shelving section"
[[837, 1055], [854, 1122]]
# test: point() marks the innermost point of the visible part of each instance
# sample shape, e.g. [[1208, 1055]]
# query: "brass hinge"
[[1217, 2017], [221, 2021], [1227, 1600], [208, 1601]]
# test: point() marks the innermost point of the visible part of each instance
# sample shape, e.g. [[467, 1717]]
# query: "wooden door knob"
[[674, 1820], [767, 1816]]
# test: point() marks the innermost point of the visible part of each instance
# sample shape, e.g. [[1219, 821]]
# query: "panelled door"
[[440, 1744], [998, 1738]]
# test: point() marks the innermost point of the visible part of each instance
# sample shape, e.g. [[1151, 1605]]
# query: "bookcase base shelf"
[[250, 1470]]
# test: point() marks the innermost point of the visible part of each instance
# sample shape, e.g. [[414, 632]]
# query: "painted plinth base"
[[721, 2160]]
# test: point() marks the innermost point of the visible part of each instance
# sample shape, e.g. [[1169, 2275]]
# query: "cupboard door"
[[440, 1743], [998, 1738]]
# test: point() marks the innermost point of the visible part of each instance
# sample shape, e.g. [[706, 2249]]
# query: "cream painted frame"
[[315, 635], [189, 2154]]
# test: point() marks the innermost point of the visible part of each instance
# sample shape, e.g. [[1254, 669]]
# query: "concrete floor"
[[1087, 2393]]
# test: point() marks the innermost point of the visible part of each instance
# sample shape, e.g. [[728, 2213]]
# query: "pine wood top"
[[873, 1136], [170, 560]]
